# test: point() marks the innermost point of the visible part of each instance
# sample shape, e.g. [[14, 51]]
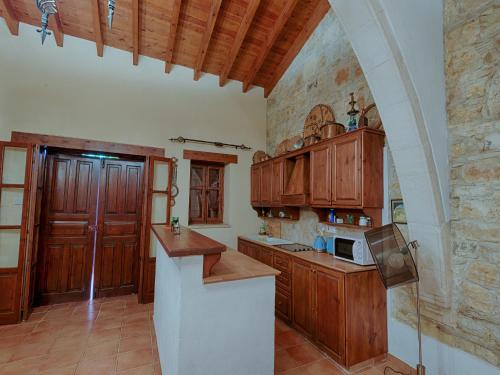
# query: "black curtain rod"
[[214, 143]]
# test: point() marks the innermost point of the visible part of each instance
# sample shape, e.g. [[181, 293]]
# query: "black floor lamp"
[[396, 267]]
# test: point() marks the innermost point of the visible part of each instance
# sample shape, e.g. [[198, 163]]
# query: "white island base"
[[221, 328]]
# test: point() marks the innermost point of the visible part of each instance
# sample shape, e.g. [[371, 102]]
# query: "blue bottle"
[[331, 216]]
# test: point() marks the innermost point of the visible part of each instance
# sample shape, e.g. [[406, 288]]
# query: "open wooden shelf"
[[347, 226]]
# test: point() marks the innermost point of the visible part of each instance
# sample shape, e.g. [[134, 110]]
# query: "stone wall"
[[472, 30], [324, 72]]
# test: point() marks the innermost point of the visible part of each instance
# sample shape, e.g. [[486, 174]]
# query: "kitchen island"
[[213, 309]]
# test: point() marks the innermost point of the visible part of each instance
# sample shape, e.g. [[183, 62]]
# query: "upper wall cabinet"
[[357, 170], [255, 185], [343, 172], [321, 175]]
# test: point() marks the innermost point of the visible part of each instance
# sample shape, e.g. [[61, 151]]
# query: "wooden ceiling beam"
[[271, 39], [238, 40], [57, 29], [207, 35], [96, 18], [135, 31], [174, 22], [318, 14], [10, 17]]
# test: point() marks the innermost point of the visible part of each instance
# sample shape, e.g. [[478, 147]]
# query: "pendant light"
[[111, 12], [47, 7]]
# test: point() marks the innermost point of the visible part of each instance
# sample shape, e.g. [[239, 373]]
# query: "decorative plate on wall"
[[317, 117], [259, 156]]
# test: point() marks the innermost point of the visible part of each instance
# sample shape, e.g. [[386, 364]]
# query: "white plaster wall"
[[418, 27], [216, 329], [70, 91]]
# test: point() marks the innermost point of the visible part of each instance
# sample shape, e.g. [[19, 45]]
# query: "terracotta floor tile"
[[107, 323], [102, 366], [103, 350], [61, 371], [28, 351], [283, 361], [61, 359], [24, 367], [305, 353], [8, 342], [135, 343], [117, 334], [101, 336], [135, 358], [17, 329], [143, 370], [138, 317], [67, 343], [36, 317], [287, 339], [136, 329], [321, 367]]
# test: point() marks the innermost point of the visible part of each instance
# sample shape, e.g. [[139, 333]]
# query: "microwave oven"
[[354, 250]]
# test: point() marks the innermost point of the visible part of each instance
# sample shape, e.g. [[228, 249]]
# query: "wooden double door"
[[91, 226]]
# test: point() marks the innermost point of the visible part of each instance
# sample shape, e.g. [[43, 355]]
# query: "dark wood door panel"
[[67, 237], [302, 297], [8, 286], [66, 272], [330, 321], [117, 253], [346, 159]]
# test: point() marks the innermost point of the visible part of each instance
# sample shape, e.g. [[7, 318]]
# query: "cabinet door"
[[302, 297], [346, 159], [277, 184], [255, 185], [266, 178], [320, 175], [266, 256], [330, 321], [282, 305]]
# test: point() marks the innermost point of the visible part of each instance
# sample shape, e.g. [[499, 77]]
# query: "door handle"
[[92, 228]]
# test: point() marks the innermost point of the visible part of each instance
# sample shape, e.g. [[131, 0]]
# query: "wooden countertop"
[[234, 265], [321, 259], [187, 243]]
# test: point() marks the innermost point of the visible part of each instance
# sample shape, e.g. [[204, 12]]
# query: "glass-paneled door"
[[159, 205], [15, 176]]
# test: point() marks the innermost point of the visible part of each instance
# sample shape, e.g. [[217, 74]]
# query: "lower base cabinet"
[[344, 314]]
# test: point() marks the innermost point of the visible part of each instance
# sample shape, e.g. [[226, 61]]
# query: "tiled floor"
[[116, 336], [297, 356]]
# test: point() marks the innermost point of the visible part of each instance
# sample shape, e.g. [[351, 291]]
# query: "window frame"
[[205, 190]]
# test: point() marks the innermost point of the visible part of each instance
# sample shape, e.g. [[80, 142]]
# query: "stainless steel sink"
[[270, 240]]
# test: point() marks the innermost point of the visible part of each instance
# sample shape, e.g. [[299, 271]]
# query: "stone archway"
[[414, 117]]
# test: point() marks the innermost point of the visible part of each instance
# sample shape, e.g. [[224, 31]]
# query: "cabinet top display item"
[[307, 149]]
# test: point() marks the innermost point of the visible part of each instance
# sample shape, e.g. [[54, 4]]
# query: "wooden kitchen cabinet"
[[255, 179], [303, 297], [357, 170], [277, 182], [343, 172], [262, 184], [266, 177], [343, 313], [346, 161], [330, 307], [320, 175]]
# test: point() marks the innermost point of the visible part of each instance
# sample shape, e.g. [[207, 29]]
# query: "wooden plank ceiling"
[[251, 41]]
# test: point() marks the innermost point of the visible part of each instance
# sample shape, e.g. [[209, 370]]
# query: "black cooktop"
[[295, 247]]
